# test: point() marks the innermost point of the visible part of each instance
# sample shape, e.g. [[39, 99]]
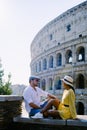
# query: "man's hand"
[[50, 96]]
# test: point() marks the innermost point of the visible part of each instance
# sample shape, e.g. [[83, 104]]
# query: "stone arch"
[[80, 81], [80, 108], [80, 54], [59, 59], [68, 56]]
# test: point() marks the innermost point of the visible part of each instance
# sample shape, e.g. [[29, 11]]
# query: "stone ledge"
[[4, 98], [80, 121], [45, 121]]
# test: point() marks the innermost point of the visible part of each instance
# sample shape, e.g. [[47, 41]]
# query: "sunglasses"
[[36, 80]]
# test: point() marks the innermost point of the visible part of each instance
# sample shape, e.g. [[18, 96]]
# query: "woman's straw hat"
[[68, 80]]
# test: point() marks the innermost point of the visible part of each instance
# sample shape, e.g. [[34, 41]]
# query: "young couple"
[[64, 109]]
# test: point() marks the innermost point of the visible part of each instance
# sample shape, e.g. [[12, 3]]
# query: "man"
[[32, 96]]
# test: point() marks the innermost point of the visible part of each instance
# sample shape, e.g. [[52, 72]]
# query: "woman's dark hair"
[[72, 88]]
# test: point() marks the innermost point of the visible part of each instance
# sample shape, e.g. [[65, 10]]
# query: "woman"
[[64, 109]]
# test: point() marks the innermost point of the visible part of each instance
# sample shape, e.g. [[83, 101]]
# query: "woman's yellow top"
[[67, 109]]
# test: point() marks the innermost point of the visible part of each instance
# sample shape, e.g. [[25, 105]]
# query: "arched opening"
[[50, 83], [57, 83], [43, 84], [51, 62], [80, 54], [44, 64], [39, 66], [59, 59], [68, 57], [80, 82], [80, 108], [36, 70]]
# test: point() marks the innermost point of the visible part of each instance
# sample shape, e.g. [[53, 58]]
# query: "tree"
[[1, 74], [4, 86]]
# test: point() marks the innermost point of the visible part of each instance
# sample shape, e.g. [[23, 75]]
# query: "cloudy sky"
[[20, 21]]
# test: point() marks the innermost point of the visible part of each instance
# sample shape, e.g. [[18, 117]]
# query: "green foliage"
[[4, 86]]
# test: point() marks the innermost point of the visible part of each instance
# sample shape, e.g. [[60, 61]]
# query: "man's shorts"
[[34, 110]]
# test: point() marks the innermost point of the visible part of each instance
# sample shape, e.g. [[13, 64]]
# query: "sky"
[[20, 21]]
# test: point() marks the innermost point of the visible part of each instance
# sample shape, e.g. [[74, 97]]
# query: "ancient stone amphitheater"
[[60, 48]]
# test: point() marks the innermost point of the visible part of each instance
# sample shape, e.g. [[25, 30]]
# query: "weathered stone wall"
[[10, 106]]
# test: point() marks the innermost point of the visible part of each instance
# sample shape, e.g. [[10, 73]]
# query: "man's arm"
[[51, 96]]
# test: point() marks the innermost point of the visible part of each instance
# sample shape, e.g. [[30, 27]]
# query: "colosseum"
[[59, 49]]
